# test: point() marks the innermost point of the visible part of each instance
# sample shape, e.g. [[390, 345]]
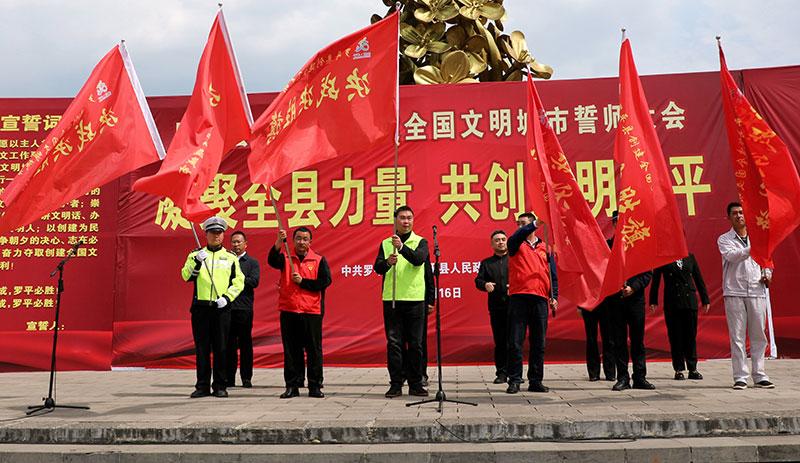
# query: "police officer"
[[217, 280]]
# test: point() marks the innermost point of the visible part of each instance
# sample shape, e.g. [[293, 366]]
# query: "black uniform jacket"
[[681, 285]]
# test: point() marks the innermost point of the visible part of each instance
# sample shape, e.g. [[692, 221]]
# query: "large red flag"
[[580, 248], [342, 102], [766, 176], [217, 119], [105, 132], [649, 232]]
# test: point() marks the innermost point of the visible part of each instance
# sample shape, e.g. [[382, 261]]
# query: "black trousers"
[[592, 320], [526, 311], [210, 328], [682, 333], [404, 326], [628, 321], [301, 334], [499, 321], [240, 341]]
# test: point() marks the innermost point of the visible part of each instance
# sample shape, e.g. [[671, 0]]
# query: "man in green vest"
[[218, 280], [401, 261]]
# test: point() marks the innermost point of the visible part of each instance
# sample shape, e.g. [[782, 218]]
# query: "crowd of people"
[[521, 283]]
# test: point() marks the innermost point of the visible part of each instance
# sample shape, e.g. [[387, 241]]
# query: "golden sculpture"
[[460, 41]]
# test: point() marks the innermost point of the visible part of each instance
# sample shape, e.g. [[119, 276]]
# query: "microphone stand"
[[440, 397], [49, 401]]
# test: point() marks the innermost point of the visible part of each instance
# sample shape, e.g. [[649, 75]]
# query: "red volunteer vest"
[[293, 298], [529, 272]]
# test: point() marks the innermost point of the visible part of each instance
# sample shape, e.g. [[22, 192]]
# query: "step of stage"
[[152, 407], [714, 449]]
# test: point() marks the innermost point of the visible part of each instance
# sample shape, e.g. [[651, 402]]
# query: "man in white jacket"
[[744, 287]]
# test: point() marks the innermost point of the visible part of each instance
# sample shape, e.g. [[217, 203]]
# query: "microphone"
[[75, 247], [434, 230]]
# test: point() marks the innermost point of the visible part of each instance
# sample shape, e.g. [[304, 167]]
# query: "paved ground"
[[152, 406]]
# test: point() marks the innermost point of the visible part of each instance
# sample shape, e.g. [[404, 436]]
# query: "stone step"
[[714, 449]]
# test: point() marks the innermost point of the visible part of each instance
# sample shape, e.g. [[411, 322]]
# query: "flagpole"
[[398, 8], [199, 246], [281, 227], [623, 34]]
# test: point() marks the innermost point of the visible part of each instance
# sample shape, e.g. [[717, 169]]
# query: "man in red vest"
[[301, 301], [531, 272]]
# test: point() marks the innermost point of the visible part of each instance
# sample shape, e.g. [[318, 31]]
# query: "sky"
[[50, 47]]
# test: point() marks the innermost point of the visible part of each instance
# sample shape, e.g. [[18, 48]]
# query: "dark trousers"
[[592, 320], [301, 334], [404, 326], [526, 311], [240, 341], [499, 321], [682, 333], [210, 328], [628, 321]]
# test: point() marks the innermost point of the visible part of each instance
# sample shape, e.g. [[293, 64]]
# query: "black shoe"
[[765, 384], [500, 379], [220, 393], [246, 383], [290, 392], [621, 385], [594, 378], [695, 375], [199, 393], [394, 391], [315, 392], [643, 384], [513, 388], [418, 391], [740, 385], [611, 378], [536, 386], [679, 376]]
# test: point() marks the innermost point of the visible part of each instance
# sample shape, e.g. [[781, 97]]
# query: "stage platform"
[[149, 412]]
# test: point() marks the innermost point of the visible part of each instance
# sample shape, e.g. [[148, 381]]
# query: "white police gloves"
[[221, 302]]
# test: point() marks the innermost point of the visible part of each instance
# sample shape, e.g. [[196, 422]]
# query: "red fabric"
[[766, 177], [528, 271], [649, 233], [102, 134], [341, 103], [581, 250], [217, 119], [293, 298]]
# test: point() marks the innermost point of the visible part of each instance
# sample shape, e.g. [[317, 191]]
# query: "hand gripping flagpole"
[[281, 227]]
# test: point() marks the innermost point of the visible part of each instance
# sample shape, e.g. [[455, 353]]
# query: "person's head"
[[238, 242], [525, 218], [499, 242], [302, 240], [736, 214], [403, 219], [215, 231]]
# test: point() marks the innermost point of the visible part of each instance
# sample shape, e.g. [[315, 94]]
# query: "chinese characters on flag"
[[766, 177], [342, 102], [216, 120], [581, 251], [106, 131], [649, 232]]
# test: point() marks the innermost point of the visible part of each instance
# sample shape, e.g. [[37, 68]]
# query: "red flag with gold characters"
[[106, 131], [342, 102], [217, 119], [649, 232], [580, 248], [766, 176]]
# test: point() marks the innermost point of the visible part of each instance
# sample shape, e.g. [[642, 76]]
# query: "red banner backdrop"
[[461, 168]]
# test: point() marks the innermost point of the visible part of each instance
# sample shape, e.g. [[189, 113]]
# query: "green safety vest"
[[223, 267], [410, 278]]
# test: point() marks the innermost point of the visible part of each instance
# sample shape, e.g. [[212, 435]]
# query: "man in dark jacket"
[[592, 319], [240, 338], [493, 279], [682, 283]]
